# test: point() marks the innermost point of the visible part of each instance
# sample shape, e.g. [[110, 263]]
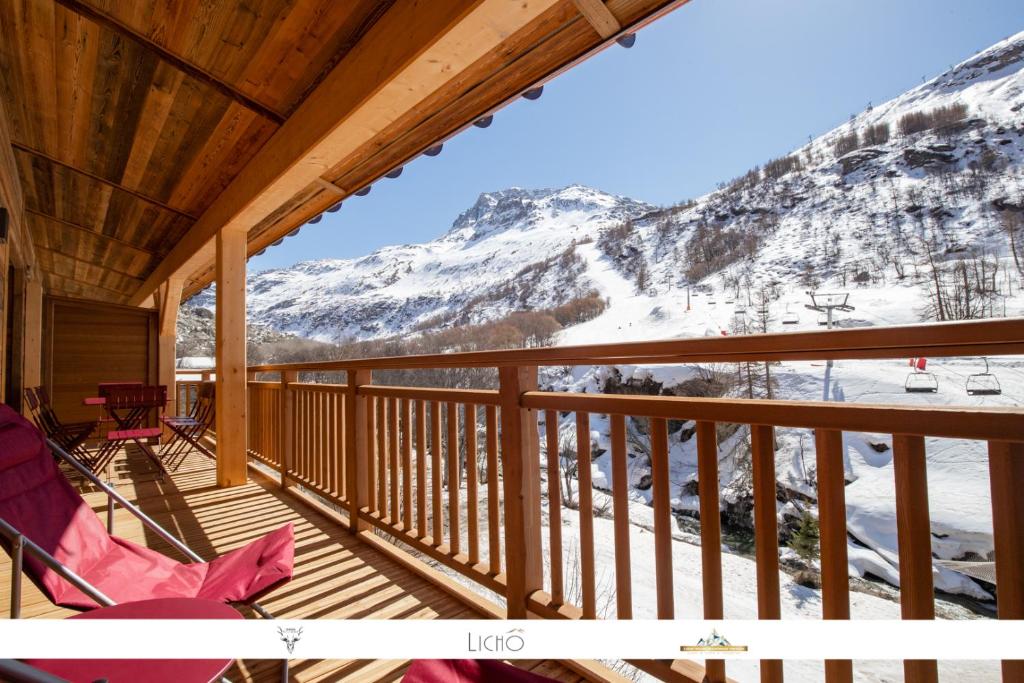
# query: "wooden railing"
[[395, 457], [187, 389]]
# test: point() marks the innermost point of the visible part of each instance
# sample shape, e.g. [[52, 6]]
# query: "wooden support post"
[[32, 342], [766, 537], [168, 300], [914, 538], [1006, 472], [287, 423], [232, 468], [520, 463], [357, 450]]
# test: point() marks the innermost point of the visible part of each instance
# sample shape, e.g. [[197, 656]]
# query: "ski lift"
[[983, 383], [823, 319], [789, 318], [919, 381]]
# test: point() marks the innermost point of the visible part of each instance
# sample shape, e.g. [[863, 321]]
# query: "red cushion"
[[141, 433]]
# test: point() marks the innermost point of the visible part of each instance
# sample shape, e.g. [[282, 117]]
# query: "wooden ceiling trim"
[[55, 233], [99, 179], [89, 262], [408, 54], [599, 16], [186, 67], [61, 286]]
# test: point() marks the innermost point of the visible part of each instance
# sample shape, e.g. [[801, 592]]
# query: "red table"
[[149, 670]]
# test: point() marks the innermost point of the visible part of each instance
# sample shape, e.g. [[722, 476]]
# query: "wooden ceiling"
[[140, 128]]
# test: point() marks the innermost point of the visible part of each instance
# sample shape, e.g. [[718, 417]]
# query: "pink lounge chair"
[[59, 542]]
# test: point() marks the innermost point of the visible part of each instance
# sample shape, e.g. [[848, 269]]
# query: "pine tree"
[[804, 541]]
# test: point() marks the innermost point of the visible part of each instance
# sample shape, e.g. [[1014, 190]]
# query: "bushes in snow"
[[877, 134], [938, 118], [845, 144]]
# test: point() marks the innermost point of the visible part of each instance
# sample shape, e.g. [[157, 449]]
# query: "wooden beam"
[[330, 187], [599, 16], [99, 179], [413, 50], [21, 251], [230, 353], [97, 16]]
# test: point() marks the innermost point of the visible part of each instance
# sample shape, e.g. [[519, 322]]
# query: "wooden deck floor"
[[337, 576]]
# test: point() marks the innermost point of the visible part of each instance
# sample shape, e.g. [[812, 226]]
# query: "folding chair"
[[129, 404], [70, 435], [188, 430], [54, 537]]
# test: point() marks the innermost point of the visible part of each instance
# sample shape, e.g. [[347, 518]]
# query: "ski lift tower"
[[827, 302]]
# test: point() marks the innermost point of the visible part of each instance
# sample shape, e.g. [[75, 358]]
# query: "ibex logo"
[[289, 636]]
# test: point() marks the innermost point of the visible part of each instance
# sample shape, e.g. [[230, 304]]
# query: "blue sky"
[[706, 93]]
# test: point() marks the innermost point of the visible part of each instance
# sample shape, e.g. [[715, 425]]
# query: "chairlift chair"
[[823, 319], [921, 383], [983, 383], [789, 318]]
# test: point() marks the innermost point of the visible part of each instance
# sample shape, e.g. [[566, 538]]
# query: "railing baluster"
[[663, 521], [585, 493], [554, 506], [393, 452], [710, 535], [287, 425], [435, 471], [1006, 472], [472, 510], [406, 467], [371, 453], [493, 493], [620, 507], [382, 457], [421, 468], [340, 440], [914, 538], [454, 543], [835, 574], [766, 537]]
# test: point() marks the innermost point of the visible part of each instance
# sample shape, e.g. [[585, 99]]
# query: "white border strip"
[[490, 639]]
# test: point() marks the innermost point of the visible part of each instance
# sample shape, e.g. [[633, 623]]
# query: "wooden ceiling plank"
[[77, 259], [183, 65], [117, 186], [121, 244], [413, 50], [158, 106], [599, 16], [77, 51]]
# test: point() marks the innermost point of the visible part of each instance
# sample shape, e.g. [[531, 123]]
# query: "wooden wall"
[[85, 343]]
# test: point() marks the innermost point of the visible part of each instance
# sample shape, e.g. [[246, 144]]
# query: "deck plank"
[[337, 576]]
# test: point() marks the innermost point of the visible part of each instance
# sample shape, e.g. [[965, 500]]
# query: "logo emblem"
[[289, 636], [715, 642]]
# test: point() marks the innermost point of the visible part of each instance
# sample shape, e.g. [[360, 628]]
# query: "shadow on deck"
[[337, 576]]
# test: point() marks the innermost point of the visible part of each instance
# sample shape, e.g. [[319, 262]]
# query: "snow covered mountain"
[[391, 290]]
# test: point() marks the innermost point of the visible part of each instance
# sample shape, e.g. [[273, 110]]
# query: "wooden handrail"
[[976, 338]]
